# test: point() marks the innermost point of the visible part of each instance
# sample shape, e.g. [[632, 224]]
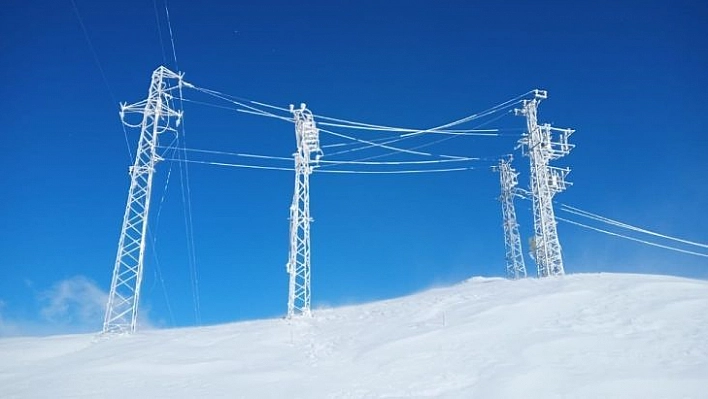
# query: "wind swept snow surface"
[[579, 336]]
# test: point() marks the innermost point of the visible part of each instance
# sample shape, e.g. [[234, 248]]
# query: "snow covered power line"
[[161, 114]]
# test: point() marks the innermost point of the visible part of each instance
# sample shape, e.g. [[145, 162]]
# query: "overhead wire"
[[317, 170], [159, 32], [388, 147], [405, 137], [461, 132], [392, 172], [355, 125], [599, 218], [186, 194], [230, 108], [237, 154], [102, 71], [366, 143], [351, 143], [324, 161], [228, 164], [250, 109], [366, 126], [172, 37], [383, 143], [269, 115], [153, 237], [596, 217], [424, 162], [633, 239], [424, 145], [225, 97]]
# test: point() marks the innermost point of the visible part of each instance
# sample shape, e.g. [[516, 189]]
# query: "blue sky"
[[629, 77]]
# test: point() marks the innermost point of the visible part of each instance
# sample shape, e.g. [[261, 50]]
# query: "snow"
[[579, 336]]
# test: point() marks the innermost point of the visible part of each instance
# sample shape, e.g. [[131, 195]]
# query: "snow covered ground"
[[580, 336]]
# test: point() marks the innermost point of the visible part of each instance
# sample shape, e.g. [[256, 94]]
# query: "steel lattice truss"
[[546, 181], [307, 136], [515, 266], [158, 117]]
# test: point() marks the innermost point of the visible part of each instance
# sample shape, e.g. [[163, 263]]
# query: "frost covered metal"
[[508, 178], [308, 143], [158, 117], [540, 145]]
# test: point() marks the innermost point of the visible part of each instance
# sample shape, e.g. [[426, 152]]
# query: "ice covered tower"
[[158, 117], [308, 144], [515, 266], [541, 147]]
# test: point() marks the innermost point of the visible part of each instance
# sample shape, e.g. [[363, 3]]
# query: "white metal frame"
[[307, 137], [508, 178], [546, 181], [158, 117]]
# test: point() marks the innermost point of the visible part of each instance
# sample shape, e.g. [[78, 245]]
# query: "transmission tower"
[[515, 266], [308, 143], [158, 117], [539, 145]]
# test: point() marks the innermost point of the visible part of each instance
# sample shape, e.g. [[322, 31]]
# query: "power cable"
[[102, 71], [596, 217], [633, 239]]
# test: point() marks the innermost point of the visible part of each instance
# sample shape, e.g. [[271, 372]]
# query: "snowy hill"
[[580, 336]]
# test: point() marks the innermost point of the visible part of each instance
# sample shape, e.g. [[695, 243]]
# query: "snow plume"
[[73, 305], [76, 301]]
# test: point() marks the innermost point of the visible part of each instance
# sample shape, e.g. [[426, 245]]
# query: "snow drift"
[[579, 336]]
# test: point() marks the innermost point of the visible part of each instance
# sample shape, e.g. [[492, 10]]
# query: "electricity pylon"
[[546, 181], [308, 143], [158, 117], [515, 266]]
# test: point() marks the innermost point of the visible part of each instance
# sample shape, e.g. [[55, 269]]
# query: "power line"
[[359, 125], [236, 154], [461, 132], [329, 162], [225, 97], [172, 38], [317, 170], [399, 138], [184, 178], [101, 70], [424, 162], [413, 133], [153, 237], [388, 147], [596, 217], [633, 239], [393, 172], [368, 126], [351, 143], [434, 142], [159, 31], [233, 165], [188, 220]]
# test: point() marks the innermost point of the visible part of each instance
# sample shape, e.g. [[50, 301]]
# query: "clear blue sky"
[[631, 77]]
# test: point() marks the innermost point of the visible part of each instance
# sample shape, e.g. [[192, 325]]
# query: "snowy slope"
[[580, 336]]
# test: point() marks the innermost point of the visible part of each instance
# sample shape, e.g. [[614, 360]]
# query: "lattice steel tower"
[[158, 117], [308, 143], [539, 145], [515, 266]]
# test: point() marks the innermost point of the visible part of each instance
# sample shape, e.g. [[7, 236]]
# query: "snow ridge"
[[578, 336]]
